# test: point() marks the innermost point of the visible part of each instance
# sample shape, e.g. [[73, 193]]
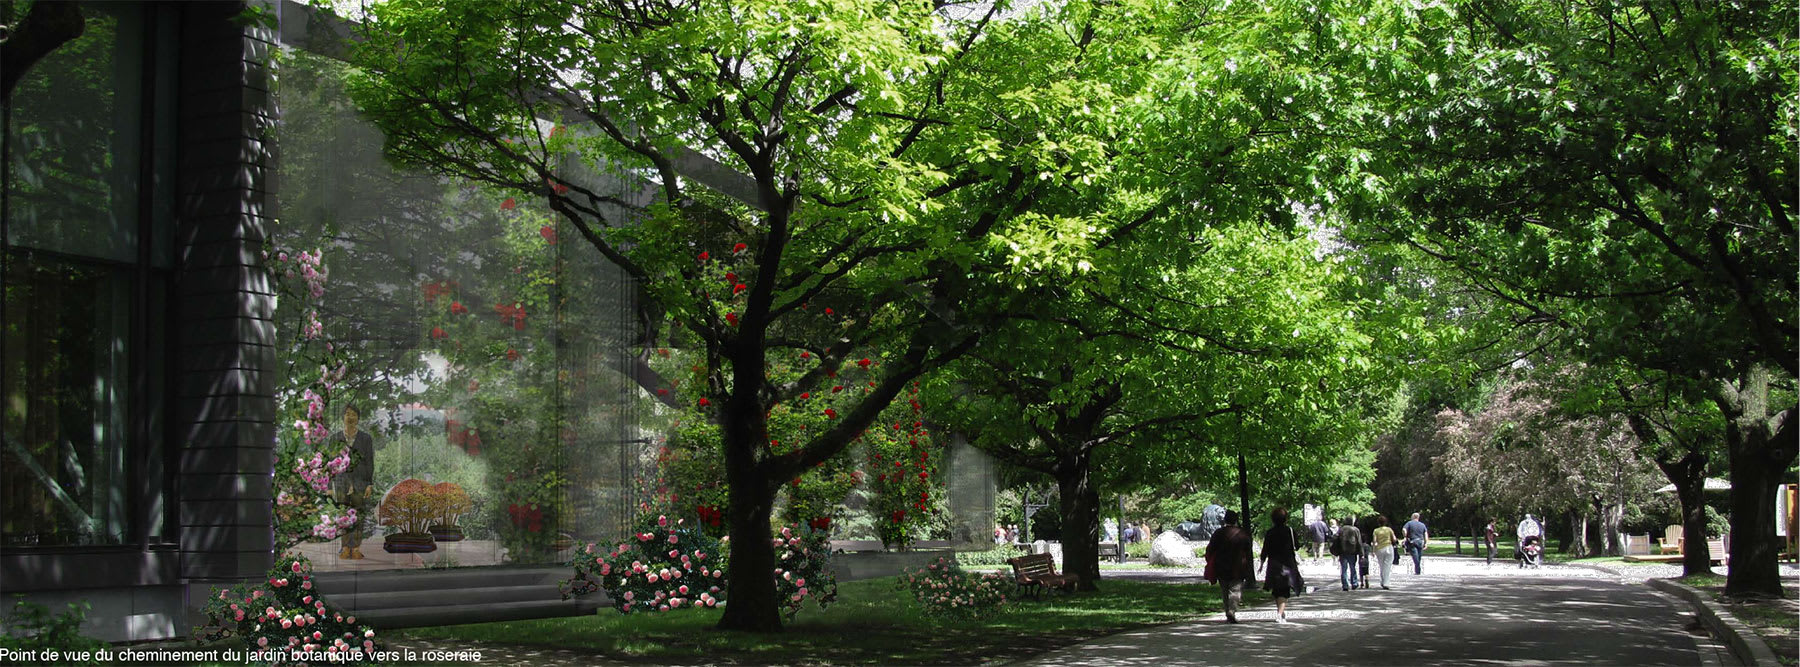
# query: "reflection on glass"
[[73, 142], [64, 422], [352, 489], [482, 348]]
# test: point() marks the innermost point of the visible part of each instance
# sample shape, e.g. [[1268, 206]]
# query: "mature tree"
[[1166, 371], [1620, 172], [1677, 428], [895, 158], [1521, 451]]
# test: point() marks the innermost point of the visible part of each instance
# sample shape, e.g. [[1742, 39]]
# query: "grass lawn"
[[873, 622], [1776, 621]]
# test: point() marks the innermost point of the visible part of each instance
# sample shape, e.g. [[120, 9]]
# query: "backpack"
[[1348, 542]]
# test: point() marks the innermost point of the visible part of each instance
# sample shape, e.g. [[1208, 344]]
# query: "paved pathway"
[[1460, 611]]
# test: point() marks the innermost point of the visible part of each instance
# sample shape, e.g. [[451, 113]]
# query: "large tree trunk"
[[751, 598], [1611, 515], [1688, 474], [1761, 450], [1578, 535], [1081, 518], [751, 602]]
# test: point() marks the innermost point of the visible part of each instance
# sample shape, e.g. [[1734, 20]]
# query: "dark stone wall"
[[223, 410], [220, 413]]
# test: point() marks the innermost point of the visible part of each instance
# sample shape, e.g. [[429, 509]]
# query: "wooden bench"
[[1037, 572], [1108, 550]]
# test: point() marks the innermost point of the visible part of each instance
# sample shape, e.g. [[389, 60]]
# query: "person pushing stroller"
[[1530, 551]]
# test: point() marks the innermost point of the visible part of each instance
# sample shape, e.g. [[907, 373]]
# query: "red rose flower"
[[827, 311], [704, 256], [731, 319], [512, 355], [864, 362], [549, 234], [737, 288], [456, 308], [738, 248], [509, 204], [805, 355], [830, 413], [438, 332], [704, 402]]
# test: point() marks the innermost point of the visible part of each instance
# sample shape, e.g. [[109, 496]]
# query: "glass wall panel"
[[78, 308], [73, 141], [482, 351], [65, 385]]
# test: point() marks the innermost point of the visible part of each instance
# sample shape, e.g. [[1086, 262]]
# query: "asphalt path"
[[1459, 612]]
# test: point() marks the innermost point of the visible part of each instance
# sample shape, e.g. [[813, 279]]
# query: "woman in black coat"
[[1282, 580]]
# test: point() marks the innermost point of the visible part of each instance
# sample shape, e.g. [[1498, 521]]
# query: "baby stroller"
[[1530, 552]]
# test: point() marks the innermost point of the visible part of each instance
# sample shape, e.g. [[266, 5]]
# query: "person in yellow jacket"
[[1385, 543]]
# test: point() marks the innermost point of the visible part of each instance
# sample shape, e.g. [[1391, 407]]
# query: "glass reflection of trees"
[[73, 278], [483, 352]]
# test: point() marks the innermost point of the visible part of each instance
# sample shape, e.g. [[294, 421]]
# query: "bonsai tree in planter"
[[448, 501], [408, 509]]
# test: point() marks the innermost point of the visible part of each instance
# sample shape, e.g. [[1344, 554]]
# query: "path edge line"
[[1748, 646]]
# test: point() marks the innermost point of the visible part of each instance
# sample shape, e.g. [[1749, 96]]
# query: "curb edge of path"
[[1745, 643]]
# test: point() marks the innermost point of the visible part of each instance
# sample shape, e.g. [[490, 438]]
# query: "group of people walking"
[[1229, 564]]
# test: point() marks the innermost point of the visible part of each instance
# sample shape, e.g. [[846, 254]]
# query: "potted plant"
[[408, 508], [449, 501]]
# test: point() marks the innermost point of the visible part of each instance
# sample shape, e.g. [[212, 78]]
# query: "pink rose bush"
[[664, 565], [285, 612], [944, 589], [667, 565], [803, 568]]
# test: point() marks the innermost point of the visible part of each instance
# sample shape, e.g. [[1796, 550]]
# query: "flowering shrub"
[[803, 568], [307, 461], [903, 475], [286, 613], [664, 565], [944, 589], [667, 565]]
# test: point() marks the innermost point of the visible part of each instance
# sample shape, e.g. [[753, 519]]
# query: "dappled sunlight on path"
[[1457, 612]]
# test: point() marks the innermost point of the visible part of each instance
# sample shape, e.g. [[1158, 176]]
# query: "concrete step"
[[410, 598], [362, 602], [381, 581], [478, 612]]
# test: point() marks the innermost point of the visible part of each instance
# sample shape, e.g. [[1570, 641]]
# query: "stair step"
[[338, 583], [479, 612], [364, 602]]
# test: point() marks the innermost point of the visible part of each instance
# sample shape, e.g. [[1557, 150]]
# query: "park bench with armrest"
[[1037, 572]]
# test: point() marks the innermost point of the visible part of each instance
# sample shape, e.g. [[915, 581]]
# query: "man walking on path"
[[1229, 553], [1348, 546], [1416, 539]]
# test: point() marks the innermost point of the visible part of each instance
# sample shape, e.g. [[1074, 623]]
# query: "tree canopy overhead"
[[1620, 175]]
